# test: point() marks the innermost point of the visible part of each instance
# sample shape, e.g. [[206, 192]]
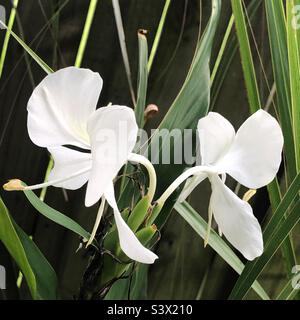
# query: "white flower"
[[252, 156], [62, 111]]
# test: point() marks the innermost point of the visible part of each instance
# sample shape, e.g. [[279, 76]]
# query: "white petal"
[[190, 185], [236, 220], [113, 133], [60, 106], [255, 155], [128, 241], [216, 135], [66, 163]]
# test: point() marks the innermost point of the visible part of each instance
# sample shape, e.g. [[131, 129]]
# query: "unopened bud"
[[14, 185], [150, 111]]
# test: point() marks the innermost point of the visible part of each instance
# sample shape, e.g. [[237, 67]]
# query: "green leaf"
[[7, 35], [139, 214], [227, 53], [277, 230], [282, 208], [190, 105], [279, 53], [294, 71], [55, 215], [39, 275], [216, 242], [255, 104], [246, 55], [142, 79], [37, 59], [289, 291], [133, 287], [122, 41]]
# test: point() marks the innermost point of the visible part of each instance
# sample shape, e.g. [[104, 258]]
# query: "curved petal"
[[66, 163], [59, 107], [236, 220], [216, 135], [128, 241], [190, 185], [113, 133], [255, 155]]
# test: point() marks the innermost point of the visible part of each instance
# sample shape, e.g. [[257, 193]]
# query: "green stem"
[[158, 34], [49, 168], [86, 32], [7, 35]]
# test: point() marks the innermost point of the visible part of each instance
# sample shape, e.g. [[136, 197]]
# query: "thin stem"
[[158, 35], [122, 40], [222, 49], [49, 168], [188, 173], [7, 35], [97, 222], [86, 32], [151, 172]]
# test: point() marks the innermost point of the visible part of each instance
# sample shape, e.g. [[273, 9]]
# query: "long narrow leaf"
[[38, 60], [294, 71], [55, 215], [246, 56], [216, 242], [277, 230], [191, 104], [7, 35], [142, 79], [279, 52], [39, 275]]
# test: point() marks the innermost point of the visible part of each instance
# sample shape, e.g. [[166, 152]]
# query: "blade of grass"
[[216, 242], [294, 72], [7, 35], [55, 215], [289, 292], [27, 58], [279, 53], [86, 31], [255, 104], [122, 40], [270, 249], [39, 274], [38, 60], [158, 34], [278, 228], [246, 56], [226, 56], [222, 49]]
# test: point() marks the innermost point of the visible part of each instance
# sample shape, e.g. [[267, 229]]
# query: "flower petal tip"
[[151, 259], [252, 256]]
